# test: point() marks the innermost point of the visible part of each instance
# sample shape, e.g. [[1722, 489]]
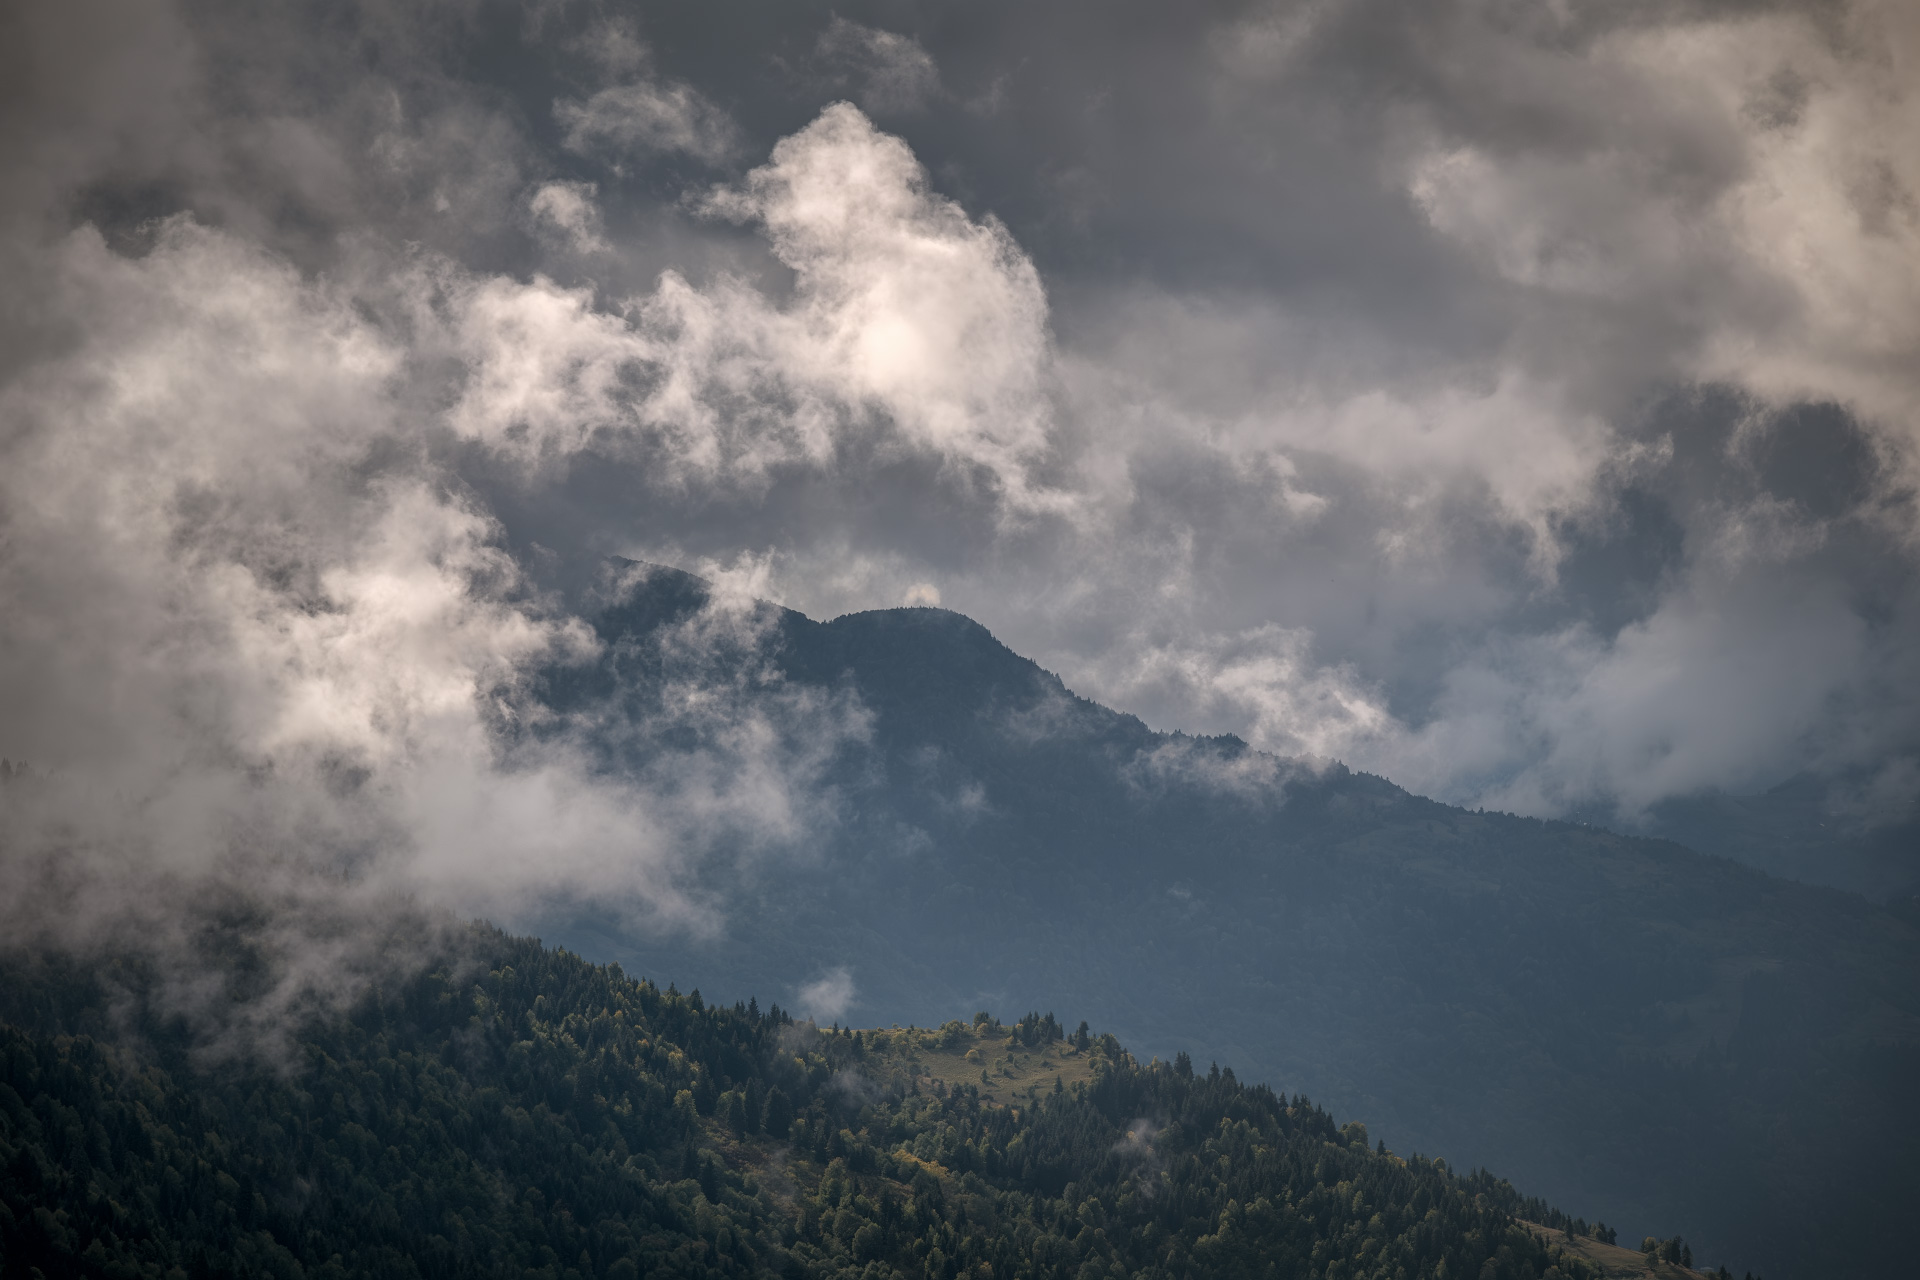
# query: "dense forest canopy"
[[520, 1112]]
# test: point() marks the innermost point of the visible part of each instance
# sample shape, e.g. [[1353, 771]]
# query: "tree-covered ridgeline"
[[524, 1113]]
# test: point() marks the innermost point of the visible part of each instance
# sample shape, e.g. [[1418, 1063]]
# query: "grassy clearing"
[[955, 1054], [959, 1054], [1616, 1262]]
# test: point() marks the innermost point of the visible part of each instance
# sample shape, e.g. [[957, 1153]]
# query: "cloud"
[[1537, 431], [1463, 492], [241, 639], [1664, 708], [888, 73], [628, 122], [1267, 686], [828, 997], [903, 304], [568, 209], [1755, 202], [1211, 766], [310, 658], [911, 330], [262, 639]]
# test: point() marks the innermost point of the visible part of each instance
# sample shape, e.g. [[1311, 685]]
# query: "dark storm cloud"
[[1513, 399]]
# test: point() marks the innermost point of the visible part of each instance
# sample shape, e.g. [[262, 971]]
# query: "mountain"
[[1810, 829], [515, 1111], [1670, 1039]]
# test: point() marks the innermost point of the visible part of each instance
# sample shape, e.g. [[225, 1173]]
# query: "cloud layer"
[[258, 620], [1516, 403]]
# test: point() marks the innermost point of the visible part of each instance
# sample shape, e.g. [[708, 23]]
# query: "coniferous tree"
[[779, 1114]]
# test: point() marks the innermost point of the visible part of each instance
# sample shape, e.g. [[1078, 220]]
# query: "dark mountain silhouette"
[[1671, 1040]]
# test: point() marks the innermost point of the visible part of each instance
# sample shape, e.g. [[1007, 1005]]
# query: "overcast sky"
[[1517, 399]]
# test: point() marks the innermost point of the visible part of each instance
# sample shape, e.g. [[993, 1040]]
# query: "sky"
[[1517, 400]]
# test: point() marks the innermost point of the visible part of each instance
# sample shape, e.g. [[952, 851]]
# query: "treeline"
[[523, 1113]]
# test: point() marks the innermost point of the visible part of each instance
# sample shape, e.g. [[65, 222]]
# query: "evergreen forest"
[[518, 1111]]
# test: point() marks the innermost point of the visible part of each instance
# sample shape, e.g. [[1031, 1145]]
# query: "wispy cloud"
[[626, 122], [886, 72], [828, 997]]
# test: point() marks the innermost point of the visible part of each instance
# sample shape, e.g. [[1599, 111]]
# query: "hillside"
[[519, 1112], [1672, 1040], [1616, 1261], [1802, 829]]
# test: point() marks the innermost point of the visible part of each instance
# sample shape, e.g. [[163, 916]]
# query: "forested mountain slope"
[[1671, 1040], [519, 1112]]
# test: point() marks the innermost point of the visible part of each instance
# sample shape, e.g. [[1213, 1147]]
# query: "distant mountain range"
[[1671, 1040]]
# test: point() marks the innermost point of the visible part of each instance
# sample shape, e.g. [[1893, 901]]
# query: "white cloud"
[[1757, 199], [1260, 391], [911, 327], [1263, 685], [258, 638], [828, 997], [903, 303]]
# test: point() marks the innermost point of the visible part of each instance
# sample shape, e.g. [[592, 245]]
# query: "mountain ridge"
[[1544, 997]]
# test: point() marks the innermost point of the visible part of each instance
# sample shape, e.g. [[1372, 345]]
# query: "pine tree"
[[779, 1114]]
